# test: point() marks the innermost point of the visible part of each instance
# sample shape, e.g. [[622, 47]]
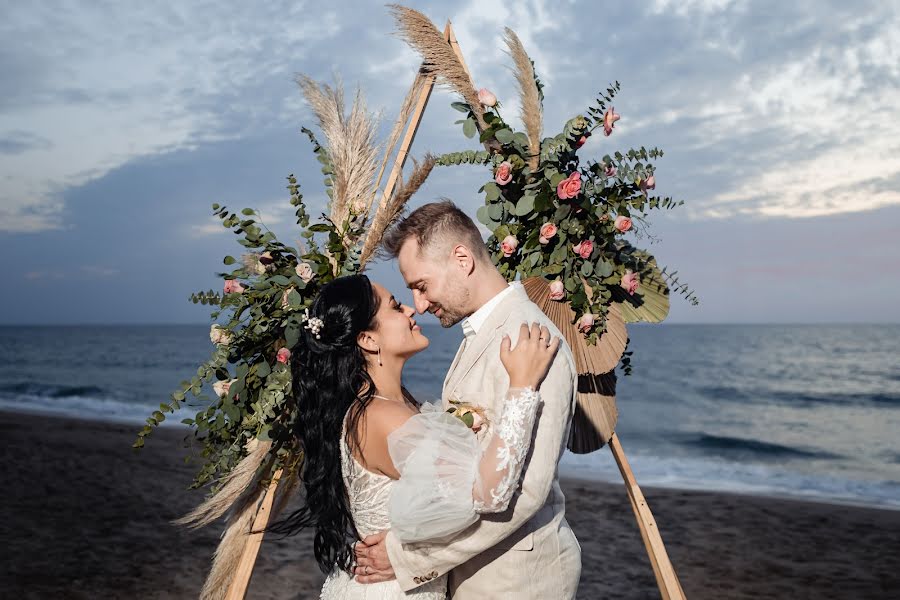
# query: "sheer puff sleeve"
[[446, 480]]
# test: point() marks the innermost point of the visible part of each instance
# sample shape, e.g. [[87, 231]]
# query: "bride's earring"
[[379, 356]]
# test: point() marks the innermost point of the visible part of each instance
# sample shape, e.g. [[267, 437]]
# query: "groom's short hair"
[[434, 225]]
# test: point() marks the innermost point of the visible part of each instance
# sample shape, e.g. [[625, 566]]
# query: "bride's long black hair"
[[330, 382]]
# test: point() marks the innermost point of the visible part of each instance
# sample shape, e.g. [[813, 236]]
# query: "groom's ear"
[[463, 258]]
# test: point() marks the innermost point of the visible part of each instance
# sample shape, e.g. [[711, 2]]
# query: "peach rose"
[[630, 282], [233, 286], [647, 184], [486, 97], [219, 335], [557, 290], [548, 230], [221, 387], [584, 249], [504, 173], [283, 356], [509, 245], [609, 119], [304, 271], [569, 187], [585, 322], [622, 223]]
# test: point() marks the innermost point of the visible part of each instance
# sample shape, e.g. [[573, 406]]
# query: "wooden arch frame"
[[666, 578]]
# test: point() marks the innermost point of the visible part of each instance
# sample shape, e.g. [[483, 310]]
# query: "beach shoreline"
[[89, 517]]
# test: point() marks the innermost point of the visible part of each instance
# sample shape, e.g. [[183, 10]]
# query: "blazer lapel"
[[482, 340], [459, 353]]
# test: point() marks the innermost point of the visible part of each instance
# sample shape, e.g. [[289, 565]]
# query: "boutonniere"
[[472, 416]]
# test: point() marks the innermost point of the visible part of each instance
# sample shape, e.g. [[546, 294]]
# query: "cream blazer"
[[528, 551]]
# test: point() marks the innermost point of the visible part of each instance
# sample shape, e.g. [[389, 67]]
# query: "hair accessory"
[[314, 324]]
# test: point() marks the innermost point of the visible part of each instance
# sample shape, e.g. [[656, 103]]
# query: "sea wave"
[[726, 445], [713, 474], [85, 402]]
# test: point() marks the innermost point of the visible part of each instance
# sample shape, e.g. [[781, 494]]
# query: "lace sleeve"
[[501, 465], [445, 479]]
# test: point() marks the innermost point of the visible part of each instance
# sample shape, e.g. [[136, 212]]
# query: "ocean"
[[809, 411]]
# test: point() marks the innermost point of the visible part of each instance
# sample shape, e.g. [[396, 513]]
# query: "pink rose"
[[647, 184], [585, 322], [233, 286], [569, 187], [584, 248], [609, 120], [622, 223], [283, 356], [486, 97], [509, 245], [221, 387], [630, 282], [557, 290], [608, 170], [548, 230], [304, 272], [504, 173]]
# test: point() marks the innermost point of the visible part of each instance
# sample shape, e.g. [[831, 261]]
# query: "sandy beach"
[[87, 517]]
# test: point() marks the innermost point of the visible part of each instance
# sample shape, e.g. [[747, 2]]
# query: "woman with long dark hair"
[[374, 459]]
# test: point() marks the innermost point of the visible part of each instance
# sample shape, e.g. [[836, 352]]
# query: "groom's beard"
[[451, 316]]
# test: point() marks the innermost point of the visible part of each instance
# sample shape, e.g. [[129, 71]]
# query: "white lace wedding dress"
[[446, 481]]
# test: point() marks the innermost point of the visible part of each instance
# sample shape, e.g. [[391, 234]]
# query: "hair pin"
[[314, 324]]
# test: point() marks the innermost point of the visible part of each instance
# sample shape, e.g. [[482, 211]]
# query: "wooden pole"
[[666, 579], [241, 580], [412, 129]]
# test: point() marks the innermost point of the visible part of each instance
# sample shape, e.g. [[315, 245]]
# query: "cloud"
[[107, 83]]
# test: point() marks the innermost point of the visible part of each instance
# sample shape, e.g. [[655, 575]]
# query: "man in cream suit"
[[528, 551]]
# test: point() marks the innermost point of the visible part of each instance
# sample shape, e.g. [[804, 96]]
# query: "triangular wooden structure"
[[595, 418]]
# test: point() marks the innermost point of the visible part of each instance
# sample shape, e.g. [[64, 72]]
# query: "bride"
[[374, 458]]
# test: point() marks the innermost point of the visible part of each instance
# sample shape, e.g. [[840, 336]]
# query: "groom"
[[529, 551]]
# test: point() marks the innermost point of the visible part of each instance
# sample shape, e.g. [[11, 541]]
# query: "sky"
[[121, 123]]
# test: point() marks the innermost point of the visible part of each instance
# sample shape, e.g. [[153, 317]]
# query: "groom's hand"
[[372, 562]]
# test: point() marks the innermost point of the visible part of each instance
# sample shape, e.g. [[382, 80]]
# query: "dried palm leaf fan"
[[595, 416], [650, 303]]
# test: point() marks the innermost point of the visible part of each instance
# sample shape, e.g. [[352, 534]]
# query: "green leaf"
[[505, 136], [525, 205], [483, 215], [491, 191], [248, 211], [468, 419], [292, 334], [460, 106], [496, 212], [604, 268], [229, 260], [263, 369], [587, 268], [469, 128]]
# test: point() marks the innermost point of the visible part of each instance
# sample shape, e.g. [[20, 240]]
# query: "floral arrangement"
[[262, 308], [552, 213]]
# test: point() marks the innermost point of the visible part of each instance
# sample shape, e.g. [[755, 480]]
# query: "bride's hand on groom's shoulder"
[[528, 363]]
